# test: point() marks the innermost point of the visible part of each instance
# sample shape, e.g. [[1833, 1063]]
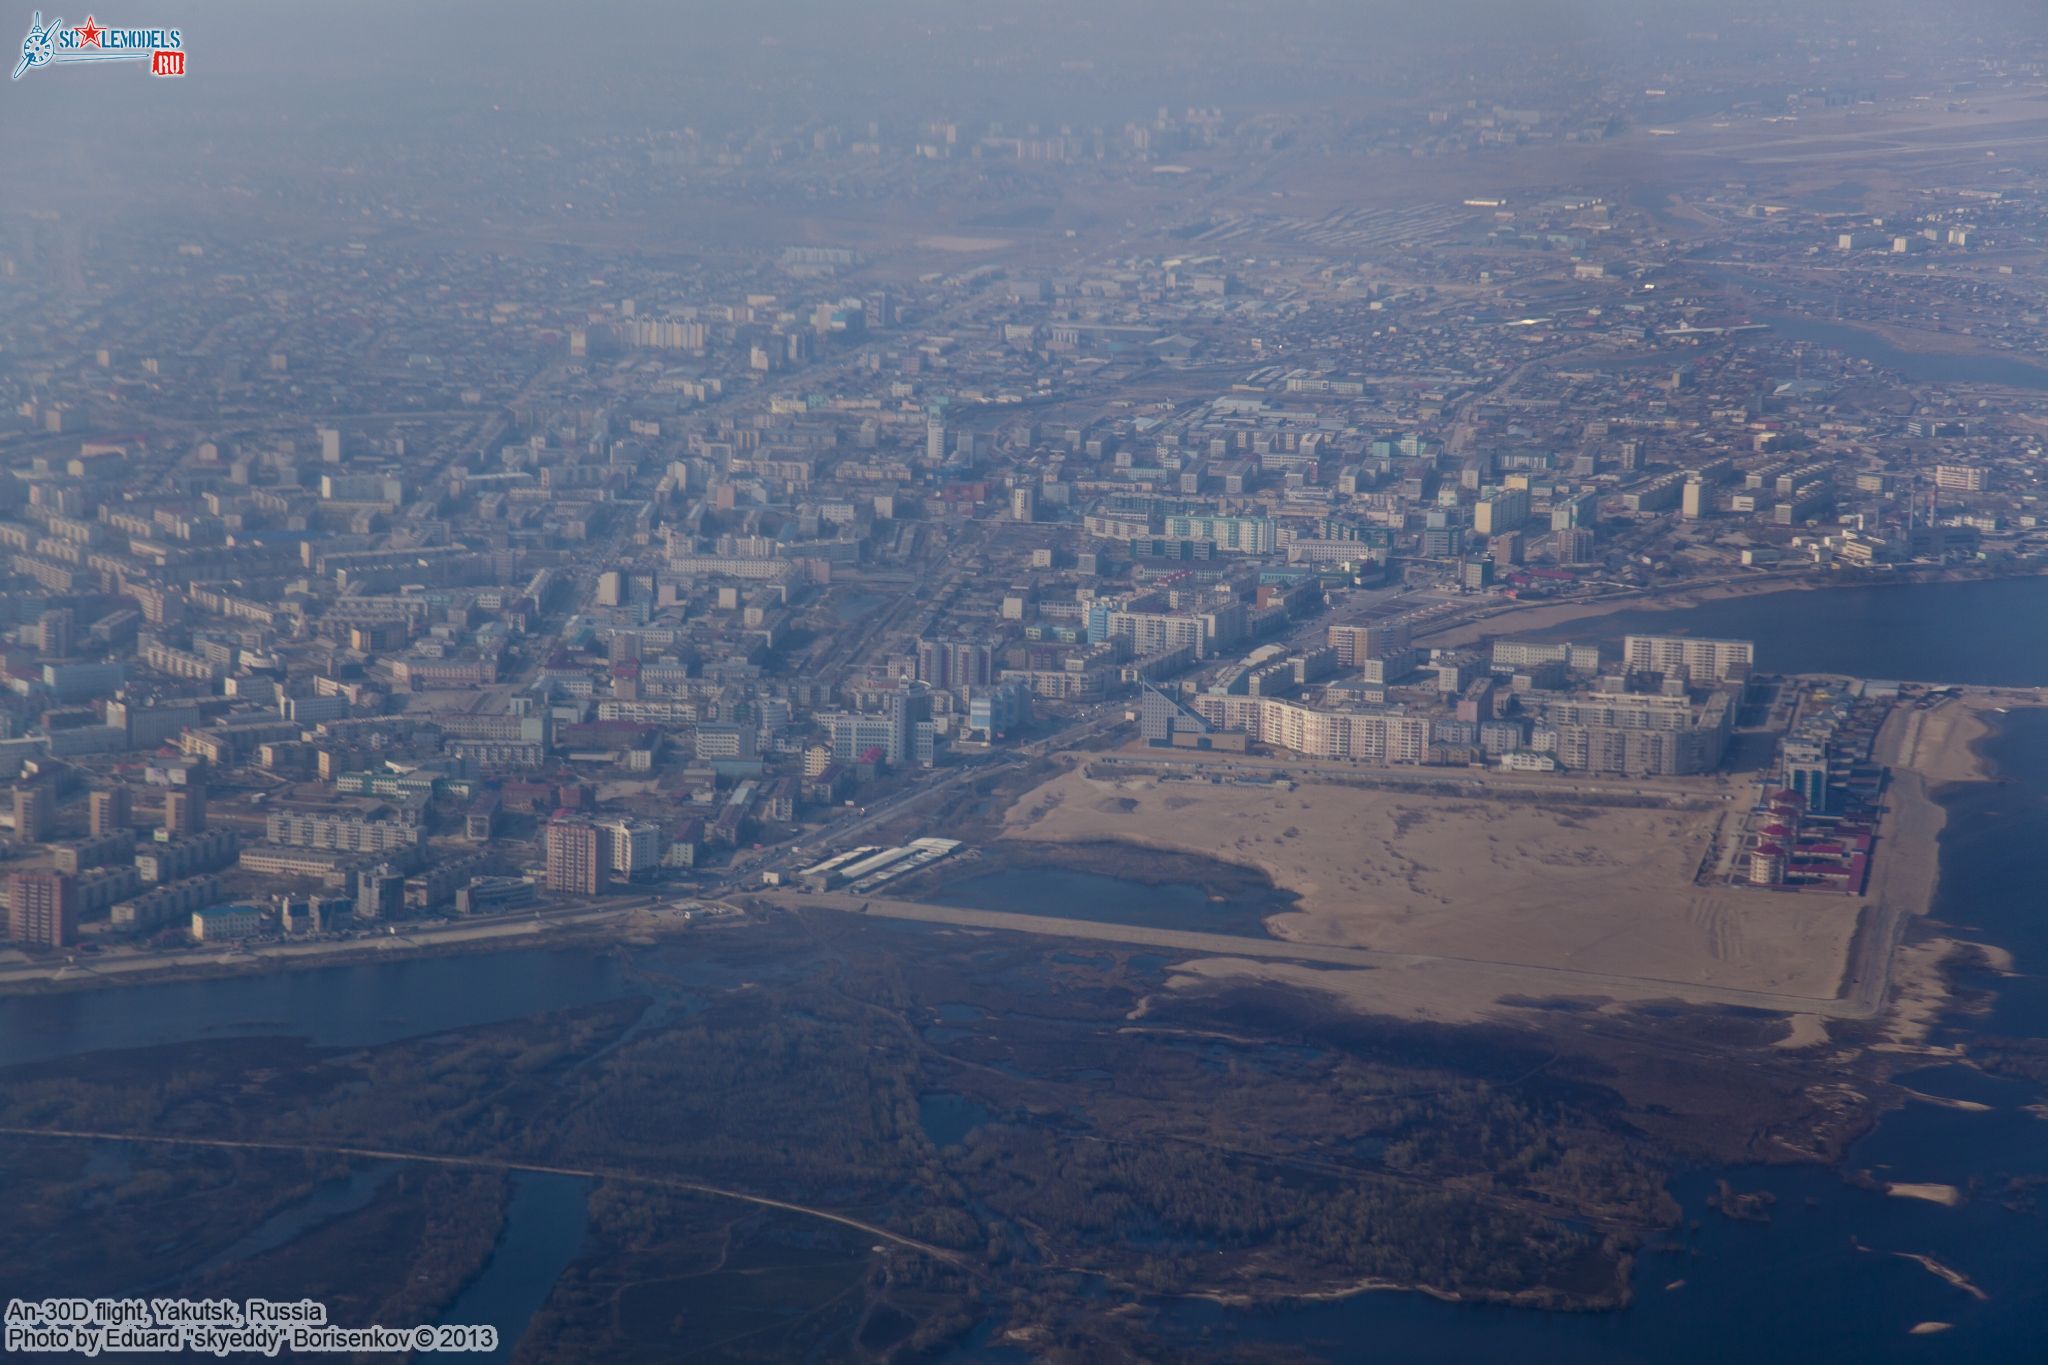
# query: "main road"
[[516, 929]]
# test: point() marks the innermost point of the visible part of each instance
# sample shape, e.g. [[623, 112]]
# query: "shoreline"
[[1537, 617], [1892, 978], [1532, 617], [1950, 741], [1945, 746], [582, 929]]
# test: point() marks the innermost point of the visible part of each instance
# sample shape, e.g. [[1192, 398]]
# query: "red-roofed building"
[[1767, 865]]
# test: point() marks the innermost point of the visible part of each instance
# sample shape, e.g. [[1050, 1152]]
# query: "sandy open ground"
[[1554, 885], [1502, 904], [953, 242], [1941, 743]]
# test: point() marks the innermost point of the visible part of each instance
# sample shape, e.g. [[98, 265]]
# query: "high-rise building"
[[1503, 510], [1160, 717], [632, 846], [1242, 535], [1364, 736], [1443, 542], [1683, 656], [184, 811], [1806, 772], [954, 665], [1356, 644], [110, 810], [43, 909], [935, 438], [576, 861], [1632, 734], [53, 629], [993, 712], [380, 892], [1511, 656], [901, 733], [34, 811], [1574, 545]]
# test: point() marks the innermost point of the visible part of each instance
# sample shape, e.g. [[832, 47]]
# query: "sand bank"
[[1807, 1030], [1944, 1102], [1942, 1272], [1944, 743], [1547, 885], [1941, 744]]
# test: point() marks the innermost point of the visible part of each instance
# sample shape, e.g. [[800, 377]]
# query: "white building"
[[1680, 656]]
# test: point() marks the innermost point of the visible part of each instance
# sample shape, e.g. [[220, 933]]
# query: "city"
[[1354, 537]]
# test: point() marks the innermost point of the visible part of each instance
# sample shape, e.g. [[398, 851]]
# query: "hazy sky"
[[813, 52], [364, 84]]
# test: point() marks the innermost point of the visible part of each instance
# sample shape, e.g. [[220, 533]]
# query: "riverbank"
[[1927, 749], [1946, 743], [602, 924], [1537, 618], [1528, 618]]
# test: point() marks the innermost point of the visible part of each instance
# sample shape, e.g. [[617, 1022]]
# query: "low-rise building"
[[226, 922]]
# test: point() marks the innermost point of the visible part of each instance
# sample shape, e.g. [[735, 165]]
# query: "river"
[[544, 1224], [1920, 367], [1985, 632], [1813, 322], [347, 1006], [1829, 1277]]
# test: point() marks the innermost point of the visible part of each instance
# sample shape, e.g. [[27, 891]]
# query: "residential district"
[[456, 581]]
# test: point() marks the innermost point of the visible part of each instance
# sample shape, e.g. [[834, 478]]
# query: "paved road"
[[1700, 792], [411, 936], [486, 1163], [1906, 854]]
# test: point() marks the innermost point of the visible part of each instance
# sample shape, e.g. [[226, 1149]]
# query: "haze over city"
[[942, 682]]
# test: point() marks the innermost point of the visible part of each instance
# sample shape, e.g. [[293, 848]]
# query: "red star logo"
[[89, 33]]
